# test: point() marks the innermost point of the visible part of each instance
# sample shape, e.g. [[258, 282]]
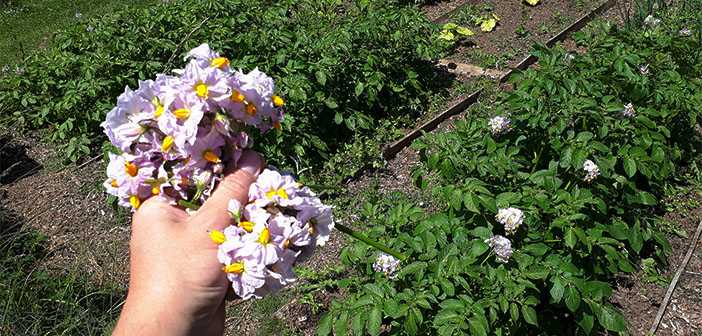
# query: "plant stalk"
[[538, 157], [369, 241]]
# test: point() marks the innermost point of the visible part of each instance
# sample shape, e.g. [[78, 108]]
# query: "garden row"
[[348, 65], [584, 148]]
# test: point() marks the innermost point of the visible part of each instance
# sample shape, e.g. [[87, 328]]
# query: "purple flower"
[[89, 29], [79, 16], [5, 69], [500, 246], [685, 32], [628, 111]]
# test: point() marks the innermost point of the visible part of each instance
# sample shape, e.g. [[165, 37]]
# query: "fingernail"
[[250, 162]]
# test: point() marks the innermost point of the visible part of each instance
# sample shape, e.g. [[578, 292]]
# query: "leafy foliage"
[[577, 232], [346, 65]]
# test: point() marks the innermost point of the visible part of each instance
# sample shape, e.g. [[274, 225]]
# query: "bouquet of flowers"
[[176, 134]]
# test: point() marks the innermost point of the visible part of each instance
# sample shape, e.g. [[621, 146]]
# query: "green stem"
[[188, 205], [552, 241], [369, 241], [486, 258], [538, 157], [567, 187]]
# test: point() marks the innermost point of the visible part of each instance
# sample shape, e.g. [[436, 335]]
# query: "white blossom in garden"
[[89, 29], [568, 57], [501, 246], [5, 69], [643, 69], [499, 124], [386, 264], [20, 70], [651, 21], [628, 111], [685, 32], [511, 218], [79, 15], [591, 170]]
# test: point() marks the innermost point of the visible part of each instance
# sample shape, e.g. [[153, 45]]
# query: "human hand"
[[177, 285]]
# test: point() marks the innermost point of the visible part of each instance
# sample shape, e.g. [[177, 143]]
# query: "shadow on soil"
[[14, 162]]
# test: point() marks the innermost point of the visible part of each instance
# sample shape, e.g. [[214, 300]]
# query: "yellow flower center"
[[287, 243], [219, 62], [280, 192], [248, 226], [135, 201], [159, 110], [250, 109], [114, 183], [201, 89], [218, 237], [211, 156], [182, 113], [276, 125], [278, 101], [167, 143], [155, 190], [265, 236], [234, 268], [237, 97], [130, 169]]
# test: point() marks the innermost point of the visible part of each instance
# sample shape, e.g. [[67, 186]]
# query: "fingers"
[[213, 214]]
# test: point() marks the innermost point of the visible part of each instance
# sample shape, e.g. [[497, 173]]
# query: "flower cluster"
[[628, 110], [568, 57], [651, 21], [501, 246], [685, 32], [591, 170], [386, 264], [644, 70], [281, 224], [177, 132], [499, 124], [511, 218]]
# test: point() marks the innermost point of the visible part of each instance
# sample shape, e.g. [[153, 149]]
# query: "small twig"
[[180, 45], [671, 288], [89, 161]]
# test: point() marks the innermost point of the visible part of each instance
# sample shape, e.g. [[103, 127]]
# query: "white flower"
[[685, 32], [501, 246], [387, 264], [499, 124], [651, 21], [89, 29], [79, 16], [643, 69], [5, 69], [568, 57], [511, 218], [591, 170], [628, 111]]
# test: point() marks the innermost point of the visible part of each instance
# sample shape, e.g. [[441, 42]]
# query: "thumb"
[[238, 176]]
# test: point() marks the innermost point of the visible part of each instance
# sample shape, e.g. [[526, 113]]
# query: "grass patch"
[[27, 25]]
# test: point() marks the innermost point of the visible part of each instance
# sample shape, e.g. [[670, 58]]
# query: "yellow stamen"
[[234, 268], [211, 156], [248, 226], [201, 89], [218, 237], [135, 201], [280, 192], [237, 97], [159, 110], [130, 169], [311, 230], [182, 113], [155, 190], [265, 236], [278, 101], [276, 125], [219, 62], [287, 243], [167, 143], [250, 109], [186, 160], [114, 183]]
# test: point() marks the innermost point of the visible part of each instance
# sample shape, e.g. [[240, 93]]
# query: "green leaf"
[[324, 327], [572, 298], [410, 324], [636, 238], [584, 136], [359, 89], [612, 319], [557, 290], [514, 311], [321, 77], [375, 289], [341, 323], [630, 167], [446, 316], [529, 315], [570, 238], [375, 319], [476, 327], [469, 201]]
